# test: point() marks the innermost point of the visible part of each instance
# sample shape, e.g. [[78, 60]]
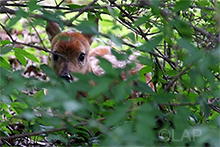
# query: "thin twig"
[[85, 8], [32, 134], [88, 8], [60, 3], [29, 45], [204, 32], [47, 131], [151, 53], [142, 34], [97, 7], [9, 35], [176, 78], [181, 104], [210, 103], [37, 33]]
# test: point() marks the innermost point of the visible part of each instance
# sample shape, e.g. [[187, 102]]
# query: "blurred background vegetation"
[[179, 45]]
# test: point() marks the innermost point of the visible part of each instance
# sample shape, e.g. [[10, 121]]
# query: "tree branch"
[[181, 104], [85, 8], [30, 45], [45, 132], [176, 78], [210, 102]]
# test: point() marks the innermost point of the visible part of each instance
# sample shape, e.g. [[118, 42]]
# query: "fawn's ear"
[[52, 30], [89, 37]]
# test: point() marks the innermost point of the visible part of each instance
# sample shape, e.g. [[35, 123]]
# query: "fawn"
[[75, 47]]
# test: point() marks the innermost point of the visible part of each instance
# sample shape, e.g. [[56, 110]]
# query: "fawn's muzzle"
[[67, 76]]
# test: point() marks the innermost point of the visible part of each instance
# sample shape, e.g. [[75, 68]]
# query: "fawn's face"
[[75, 48]]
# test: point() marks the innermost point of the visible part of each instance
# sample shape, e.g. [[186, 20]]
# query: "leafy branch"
[[29, 45], [46, 132]]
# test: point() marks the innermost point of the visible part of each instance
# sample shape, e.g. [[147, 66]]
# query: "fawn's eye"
[[55, 57], [82, 57]]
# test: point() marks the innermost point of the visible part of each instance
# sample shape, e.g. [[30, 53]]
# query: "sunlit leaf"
[[4, 63], [26, 54], [21, 58], [4, 42]]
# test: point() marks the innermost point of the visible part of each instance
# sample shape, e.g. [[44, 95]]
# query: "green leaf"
[[47, 69], [109, 103], [143, 71], [118, 114], [71, 106], [4, 63], [194, 53], [120, 91], [114, 12], [52, 17], [150, 45], [21, 13], [107, 66], [4, 106], [141, 21], [26, 54], [145, 60], [183, 28], [39, 94], [182, 5], [143, 87], [91, 17], [196, 78], [131, 35], [29, 115], [171, 73], [181, 117], [146, 69], [164, 97], [145, 122], [184, 43], [5, 42], [31, 57], [53, 137], [116, 40], [87, 27], [101, 88], [19, 104], [121, 56], [21, 58], [5, 49], [39, 21], [12, 22], [32, 5]]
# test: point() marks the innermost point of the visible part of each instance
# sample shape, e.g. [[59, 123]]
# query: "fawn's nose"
[[66, 76]]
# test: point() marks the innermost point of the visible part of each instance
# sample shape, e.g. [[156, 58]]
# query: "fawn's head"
[[74, 48]]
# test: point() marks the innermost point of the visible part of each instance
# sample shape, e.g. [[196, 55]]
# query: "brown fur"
[[105, 52], [71, 45], [100, 51], [52, 30]]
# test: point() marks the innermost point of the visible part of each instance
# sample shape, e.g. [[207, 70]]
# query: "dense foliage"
[[179, 45]]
